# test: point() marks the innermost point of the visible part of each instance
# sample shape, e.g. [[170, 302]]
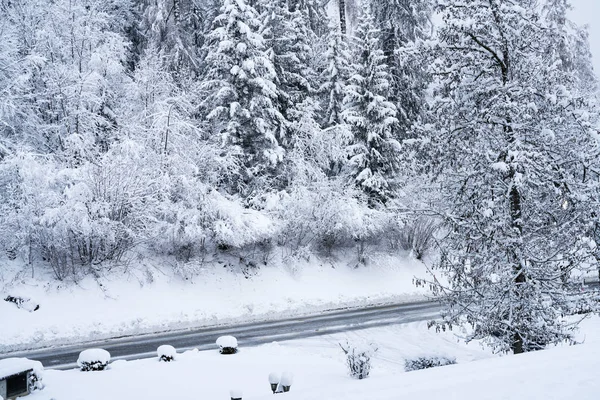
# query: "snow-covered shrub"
[[227, 345], [418, 236], [358, 358], [236, 394], [93, 360], [36, 377], [326, 215], [427, 362], [166, 353], [75, 217], [23, 302]]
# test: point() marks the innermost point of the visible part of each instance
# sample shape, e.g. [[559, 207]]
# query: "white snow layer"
[[227, 341], [93, 355], [166, 351], [154, 300], [13, 366], [318, 364]]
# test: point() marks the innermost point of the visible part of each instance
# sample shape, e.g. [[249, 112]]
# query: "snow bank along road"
[[251, 334]]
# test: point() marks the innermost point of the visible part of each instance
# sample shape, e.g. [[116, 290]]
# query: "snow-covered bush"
[[23, 302], [227, 345], [36, 376], [166, 353], [93, 360], [236, 394], [418, 236], [427, 362], [358, 358]]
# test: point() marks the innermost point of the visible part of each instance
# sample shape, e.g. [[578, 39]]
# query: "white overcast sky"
[[587, 12]]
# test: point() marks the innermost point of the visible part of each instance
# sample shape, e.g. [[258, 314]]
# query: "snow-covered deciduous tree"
[[240, 95], [513, 153], [373, 153]]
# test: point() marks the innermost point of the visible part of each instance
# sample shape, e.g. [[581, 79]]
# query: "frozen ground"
[[568, 372], [153, 299]]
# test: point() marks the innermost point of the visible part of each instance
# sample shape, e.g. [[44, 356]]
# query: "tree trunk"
[[342, 9], [517, 345]]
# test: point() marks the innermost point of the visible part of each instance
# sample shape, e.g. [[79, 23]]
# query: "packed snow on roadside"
[[319, 371], [153, 299]]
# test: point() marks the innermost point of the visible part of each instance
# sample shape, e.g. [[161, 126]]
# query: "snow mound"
[[227, 344], [236, 394], [13, 366], [93, 360], [166, 353]]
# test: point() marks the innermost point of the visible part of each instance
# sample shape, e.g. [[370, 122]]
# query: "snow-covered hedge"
[[227, 345], [166, 353], [358, 358], [93, 360], [427, 362]]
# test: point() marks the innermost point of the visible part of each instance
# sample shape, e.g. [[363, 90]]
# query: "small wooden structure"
[[14, 377]]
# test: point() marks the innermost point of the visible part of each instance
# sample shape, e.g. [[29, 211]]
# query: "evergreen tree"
[[512, 152], [240, 94], [403, 23], [373, 152], [334, 77], [287, 39]]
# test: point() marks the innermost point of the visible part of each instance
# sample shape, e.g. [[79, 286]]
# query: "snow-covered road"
[[129, 348]]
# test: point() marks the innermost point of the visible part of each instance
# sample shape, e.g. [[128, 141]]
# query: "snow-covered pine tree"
[[316, 12], [287, 37], [513, 154], [373, 152], [334, 77], [239, 94], [403, 23]]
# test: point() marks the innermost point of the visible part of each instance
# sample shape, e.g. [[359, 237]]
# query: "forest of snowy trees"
[[189, 128]]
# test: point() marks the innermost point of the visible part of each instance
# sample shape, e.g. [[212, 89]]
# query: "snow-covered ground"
[[319, 371], [153, 299]]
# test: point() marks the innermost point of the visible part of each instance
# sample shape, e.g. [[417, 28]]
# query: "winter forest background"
[[203, 129]]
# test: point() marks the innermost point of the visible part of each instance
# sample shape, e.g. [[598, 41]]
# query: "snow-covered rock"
[[227, 344], [93, 360], [166, 353]]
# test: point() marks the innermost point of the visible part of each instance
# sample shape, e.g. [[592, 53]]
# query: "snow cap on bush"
[[227, 344], [93, 360], [166, 353], [236, 394]]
